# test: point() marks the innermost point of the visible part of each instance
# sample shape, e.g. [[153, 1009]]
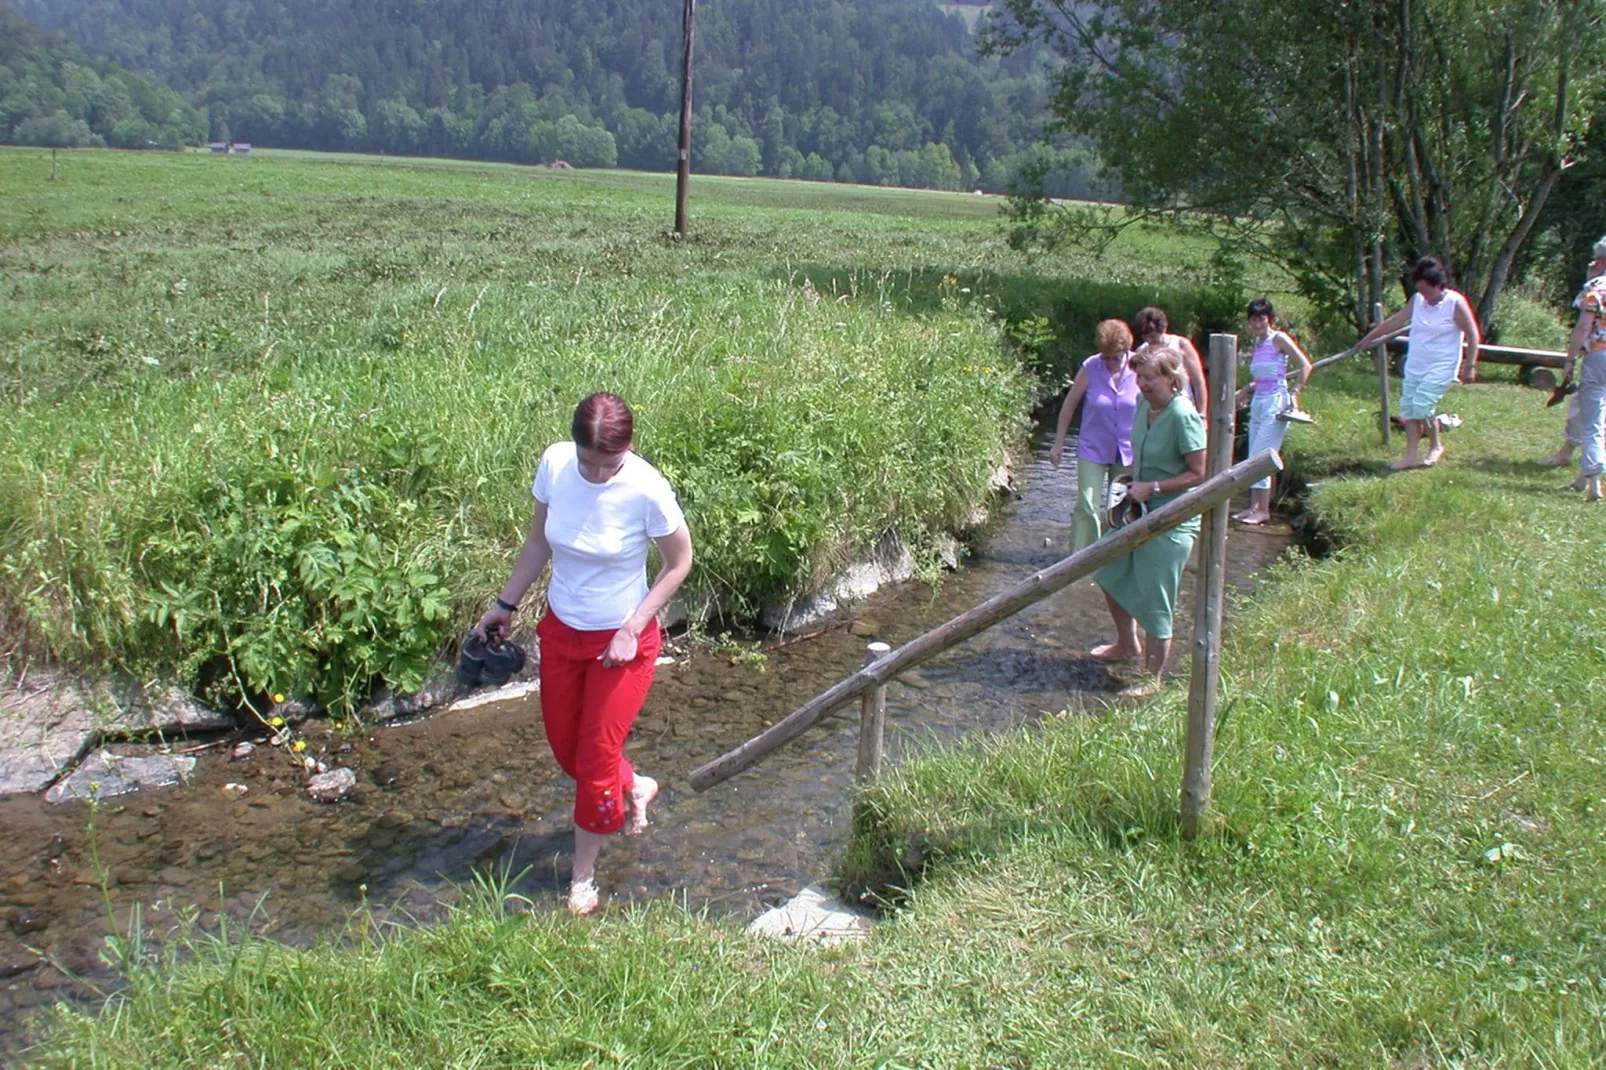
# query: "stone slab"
[[50, 720], [104, 774], [813, 916]]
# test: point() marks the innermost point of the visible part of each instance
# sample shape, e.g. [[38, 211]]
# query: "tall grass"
[[286, 447]]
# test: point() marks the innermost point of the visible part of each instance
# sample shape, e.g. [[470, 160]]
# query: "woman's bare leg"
[[1126, 645], [583, 878]]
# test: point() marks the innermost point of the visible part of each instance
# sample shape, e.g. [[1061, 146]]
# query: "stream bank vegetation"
[[272, 420], [1404, 868]]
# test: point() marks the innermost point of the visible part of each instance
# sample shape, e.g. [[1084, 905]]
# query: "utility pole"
[[683, 169]]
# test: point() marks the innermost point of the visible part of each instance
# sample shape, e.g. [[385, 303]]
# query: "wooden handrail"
[[1034, 588]]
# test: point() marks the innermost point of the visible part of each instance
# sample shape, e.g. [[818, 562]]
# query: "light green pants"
[[1088, 519]]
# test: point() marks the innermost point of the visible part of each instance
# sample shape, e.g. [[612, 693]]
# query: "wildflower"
[[276, 722], [300, 745], [278, 698]]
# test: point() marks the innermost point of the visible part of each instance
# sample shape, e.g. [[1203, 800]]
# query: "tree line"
[[52, 94], [888, 92], [1341, 140]]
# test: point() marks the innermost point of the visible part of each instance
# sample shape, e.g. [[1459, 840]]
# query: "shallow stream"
[[451, 793]]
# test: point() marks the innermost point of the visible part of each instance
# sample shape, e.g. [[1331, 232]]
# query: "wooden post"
[[683, 166], [1033, 588], [1381, 352], [1209, 591], [872, 721], [52, 165]]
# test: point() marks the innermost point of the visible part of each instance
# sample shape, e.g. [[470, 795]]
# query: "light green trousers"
[[1087, 521]]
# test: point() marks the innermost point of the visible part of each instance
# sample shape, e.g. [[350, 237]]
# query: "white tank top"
[[1434, 353]]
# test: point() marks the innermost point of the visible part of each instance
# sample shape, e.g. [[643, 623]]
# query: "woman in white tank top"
[[1440, 320]]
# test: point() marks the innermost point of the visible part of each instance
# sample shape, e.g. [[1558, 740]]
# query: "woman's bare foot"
[[583, 896], [1557, 459], [1114, 652], [1405, 464], [1253, 519], [1435, 455], [1147, 687], [642, 792]]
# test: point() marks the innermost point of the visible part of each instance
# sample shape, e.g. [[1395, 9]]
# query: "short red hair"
[[603, 422]]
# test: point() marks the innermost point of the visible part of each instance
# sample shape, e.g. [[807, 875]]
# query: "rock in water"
[[331, 786]]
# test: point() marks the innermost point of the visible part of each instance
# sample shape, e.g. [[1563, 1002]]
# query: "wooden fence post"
[[1381, 350], [872, 721], [1209, 590]]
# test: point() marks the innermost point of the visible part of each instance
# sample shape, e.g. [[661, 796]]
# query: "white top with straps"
[[1434, 352]]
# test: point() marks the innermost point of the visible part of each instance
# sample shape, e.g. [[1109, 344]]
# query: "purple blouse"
[[1107, 410]]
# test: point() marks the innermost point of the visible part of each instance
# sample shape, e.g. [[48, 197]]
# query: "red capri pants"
[[588, 711]]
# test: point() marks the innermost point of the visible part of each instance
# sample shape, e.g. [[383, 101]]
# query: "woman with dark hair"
[[1440, 319], [1152, 328], [1268, 396], [1168, 457], [1107, 390], [597, 507]]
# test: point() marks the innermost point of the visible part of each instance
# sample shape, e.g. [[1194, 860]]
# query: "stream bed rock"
[[104, 775], [49, 722]]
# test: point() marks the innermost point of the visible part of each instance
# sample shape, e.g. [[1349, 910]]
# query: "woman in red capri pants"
[[597, 506]]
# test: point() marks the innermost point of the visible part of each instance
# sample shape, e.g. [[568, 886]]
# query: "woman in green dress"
[[1168, 457]]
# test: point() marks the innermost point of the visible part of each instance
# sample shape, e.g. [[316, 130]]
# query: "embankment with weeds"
[[1404, 868], [271, 427]]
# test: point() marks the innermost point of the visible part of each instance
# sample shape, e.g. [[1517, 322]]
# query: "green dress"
[[1145, 581]]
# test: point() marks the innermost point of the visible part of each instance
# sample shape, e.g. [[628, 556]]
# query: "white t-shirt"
[[1433, 352], [599, 534]]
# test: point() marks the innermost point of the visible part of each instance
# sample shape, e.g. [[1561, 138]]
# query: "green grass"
[[1404, 867]]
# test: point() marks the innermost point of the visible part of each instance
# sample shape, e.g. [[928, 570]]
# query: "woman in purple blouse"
[[1107, 389]]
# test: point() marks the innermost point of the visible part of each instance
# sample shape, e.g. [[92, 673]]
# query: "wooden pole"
[[52, 165], [872, 721], [1381, 355], [683, 166], [1034, 588], [1209, 592]]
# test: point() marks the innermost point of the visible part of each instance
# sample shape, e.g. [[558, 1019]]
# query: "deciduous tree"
[[1340, 137]]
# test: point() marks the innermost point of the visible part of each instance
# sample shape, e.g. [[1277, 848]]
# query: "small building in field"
[[219, 148], [230, 148], [241, 148]]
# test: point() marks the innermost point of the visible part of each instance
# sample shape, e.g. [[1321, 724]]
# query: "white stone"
[[813, 916], [513, 689], [331, 786]]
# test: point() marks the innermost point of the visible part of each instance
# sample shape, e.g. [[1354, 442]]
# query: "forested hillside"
[[880, 91], [51, 94]]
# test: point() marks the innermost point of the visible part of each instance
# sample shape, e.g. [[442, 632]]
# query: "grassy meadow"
[[271, 421], [1404, 868]]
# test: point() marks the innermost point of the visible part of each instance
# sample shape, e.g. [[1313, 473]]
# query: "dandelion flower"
[[300, 746], [276, 722]]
